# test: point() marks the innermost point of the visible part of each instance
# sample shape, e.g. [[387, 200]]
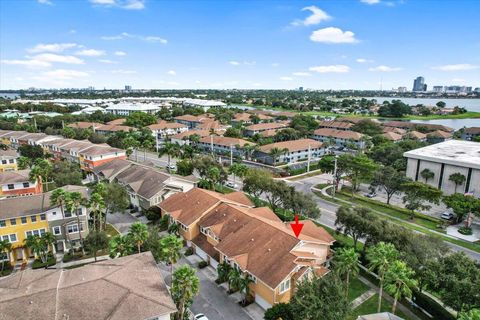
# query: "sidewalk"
[[82, 261]]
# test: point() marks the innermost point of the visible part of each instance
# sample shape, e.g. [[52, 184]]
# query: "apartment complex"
[[224, 145], [445, 159], [228, 228], [261, 127], [125, 109], [8, 160], [289, 151], [164, 129], [468, 134], [340, 138], [18, 183]]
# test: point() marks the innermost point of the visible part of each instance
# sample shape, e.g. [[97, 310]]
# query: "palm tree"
[[41, 171], [275, 153], [399, 282], [172, 150], [237, 170], [5, 247], [213, 176], [458, 179], [381, 257], [427, 174], [58, 198], [139, 233], [40, 245], [346, 264], [73, 202], [170, 247], [96, 204], [244, 287], [223, 269], [185, 286], [120, 246], [234, 280], [174, 228]]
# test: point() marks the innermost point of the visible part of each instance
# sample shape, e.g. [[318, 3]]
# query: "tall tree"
[[121, 246], [58, 198], [170, 247], [95, 241], [346, 265], [139, 234], [399, 282], [238, 170], [462, 205], [41, 171], [458, 179], [355, 222], [115, 198], [73, 202], [185, 286], [380, 257], [244, 287], [256, 181], [40, 245], [320, 298], [172, 150], [388, 179], [417, 193], [427, 174], [96, 205], [5, 248], [357, 168]]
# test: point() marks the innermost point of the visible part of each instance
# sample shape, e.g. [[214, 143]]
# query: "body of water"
[[469, 104], [452, 123]]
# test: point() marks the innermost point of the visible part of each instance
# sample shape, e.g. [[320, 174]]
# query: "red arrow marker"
[[296, 227]]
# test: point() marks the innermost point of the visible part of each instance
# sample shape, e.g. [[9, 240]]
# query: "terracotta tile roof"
[[412, 125], [199, 118], [115, 128], [225, 141], [187, 134], [265, 126], [415, 135], [341, 134], [162, 125], [84, 125], [472, 130], [238, 197], [335, 124], [127, 288], [265, 212], [395, 130], [110, 168], [269, 133], [392, 136], [210, 125], [440, 134], [293, 145], [14, 176], [117, 121], [202, 242], [244, 116]]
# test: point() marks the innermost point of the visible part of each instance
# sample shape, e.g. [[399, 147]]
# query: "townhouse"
[[186, 136], [130, 287], [164, 129], [392, 136], [248, 118], [146, 186], [18, 183], [470, 134], [84, 125], [193, 121], [125, 109], [228, 228], [289, 151], [107, 129], [96, 155], [35, 215], [337, 125], [341, 138], [415, 135], [439, 136], [8, 160], [224, 145], [261, 127], [406, 125]]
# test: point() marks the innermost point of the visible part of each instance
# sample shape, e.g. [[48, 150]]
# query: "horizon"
[[255, 45]]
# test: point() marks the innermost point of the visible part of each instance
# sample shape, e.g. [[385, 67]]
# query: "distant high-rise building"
[[477, 90], [300, 88], [438, 89], [402, 89], [128, 88], [419, 84]]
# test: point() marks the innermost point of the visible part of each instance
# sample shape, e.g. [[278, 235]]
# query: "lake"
[[469, 104], [452, 123]]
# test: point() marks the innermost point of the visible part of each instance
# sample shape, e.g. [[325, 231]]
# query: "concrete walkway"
[[82, 261], [364, 297]]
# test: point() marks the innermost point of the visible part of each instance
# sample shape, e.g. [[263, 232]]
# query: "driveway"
[[121, 221], [212, 299]]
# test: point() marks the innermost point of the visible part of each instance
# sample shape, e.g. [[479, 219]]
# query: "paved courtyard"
[[121, 221]]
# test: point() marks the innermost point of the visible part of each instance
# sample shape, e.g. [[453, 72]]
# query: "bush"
[[67, 257], [432, 307], [152, 215], [465, 230], [163, 223], [51, 261], [279, 311], [189, 251], [7, 269], [202, 264]]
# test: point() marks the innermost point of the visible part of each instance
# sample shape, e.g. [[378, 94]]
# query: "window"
[[42, 232], [54, 213], [13, 221], [73, 228], [26, 184], [2, 223], [24, 220], [43, 217], [36, 232], [4, 161], [12, 161], [11, 187], [285, 285], [34, 218], [28, 233], [13, 237], [57, 231]]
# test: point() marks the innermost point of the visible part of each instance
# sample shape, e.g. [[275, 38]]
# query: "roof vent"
[[269, 249], [252, 239], [235, 220]]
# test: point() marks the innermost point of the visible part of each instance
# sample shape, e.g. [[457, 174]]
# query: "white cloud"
[[286, 78], [301, 74], [120, 53], [246, 63], [123, 4], [370, 2], [52, 47], [121, 71], [275, 64], [172, 72], [234, 63], [384, 68], [338, 68], [456, 67], [125, 35], [333, 35], [27, 63], [65, 74], [107, 61], [45, 2], [363, 60], [90, 53], [52, 57], [317, 16]]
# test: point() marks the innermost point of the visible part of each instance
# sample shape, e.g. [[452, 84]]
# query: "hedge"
[[37, 264], [432, 306]]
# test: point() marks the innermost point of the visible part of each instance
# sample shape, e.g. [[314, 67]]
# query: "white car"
[[447, 215], [200, 316], [172, 167], [230, 184]]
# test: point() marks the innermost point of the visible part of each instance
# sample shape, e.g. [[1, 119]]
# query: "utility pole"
[[308, 161], [231, 155], [211, 144], [156, 141], [334, 178]]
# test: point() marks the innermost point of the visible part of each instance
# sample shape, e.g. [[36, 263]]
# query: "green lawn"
[[370, 306], [111, 231], [356, 289]]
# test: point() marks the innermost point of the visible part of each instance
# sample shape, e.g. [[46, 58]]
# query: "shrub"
[[163, 223], [279, 311], [152, 215], [189, 251], [67, 257], [202, 264], [465, 230], [435, 309], [37, 264], [7, 269]]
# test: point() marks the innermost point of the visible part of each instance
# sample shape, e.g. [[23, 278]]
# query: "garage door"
[[213, 263], [262, 302], [202, 254]]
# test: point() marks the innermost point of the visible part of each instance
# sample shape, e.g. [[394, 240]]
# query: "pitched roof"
[[84, 125], [189, 117], [27, 205], [440, 134], [145, 181], [14, 176], [115, 128], [412, 125], [225, 141], [292, 146], [472, 130], [96, 150], [8, 153], [188, 134], [110, 168], [335, 124], [117, 121], [162, 125], [379, 316], [392, 136], [342, 134], [127, 288], [265, 126], [415, 135]]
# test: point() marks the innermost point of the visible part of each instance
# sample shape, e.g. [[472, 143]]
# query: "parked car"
[[172, 167], [447, 215], [200, 316], [370, 195], [230, 184]]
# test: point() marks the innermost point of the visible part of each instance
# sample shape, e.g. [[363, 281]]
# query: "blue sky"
[[238, 44]]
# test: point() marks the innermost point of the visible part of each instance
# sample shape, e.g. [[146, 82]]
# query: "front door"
[[19, 253], [59, 246]]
